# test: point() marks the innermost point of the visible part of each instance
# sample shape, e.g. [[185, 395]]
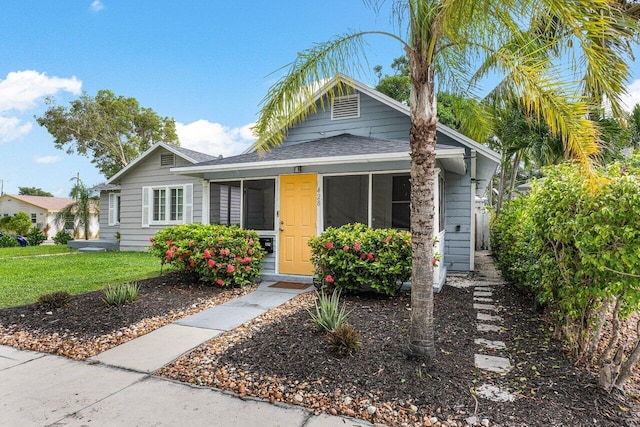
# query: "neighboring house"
[[145, 196], [349, 163], [43, 211]]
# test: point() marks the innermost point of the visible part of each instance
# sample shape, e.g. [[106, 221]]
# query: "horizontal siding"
[[457, 223], [149, 173], [106, 231]]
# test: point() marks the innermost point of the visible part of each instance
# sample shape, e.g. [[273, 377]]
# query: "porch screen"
[[259, 204], [390, 201], [345, 200], [224, 203]]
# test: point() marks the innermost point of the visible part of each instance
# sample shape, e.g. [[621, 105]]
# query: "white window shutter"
[[188, 203], [145, 206], [113, 200]]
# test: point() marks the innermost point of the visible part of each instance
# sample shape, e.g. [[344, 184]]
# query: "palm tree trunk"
[[422, 139]]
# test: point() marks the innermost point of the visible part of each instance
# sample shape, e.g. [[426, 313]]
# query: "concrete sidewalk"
[[115, 388]]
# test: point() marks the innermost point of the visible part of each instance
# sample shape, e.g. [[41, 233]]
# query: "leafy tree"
[[447, 38], [111, 129], [80, 210], [20, 223], [33, 191]]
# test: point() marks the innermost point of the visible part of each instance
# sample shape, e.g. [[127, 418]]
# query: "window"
[[345, 200], [346, 107], [114, 208], [249, 203], [34, 218], [391, 201], [69, 222], [167, 205]]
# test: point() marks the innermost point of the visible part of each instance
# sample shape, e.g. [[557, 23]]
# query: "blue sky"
[[205, 63]]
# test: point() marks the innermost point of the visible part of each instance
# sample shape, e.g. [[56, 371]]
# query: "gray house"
[[346, 163], [146, 196]]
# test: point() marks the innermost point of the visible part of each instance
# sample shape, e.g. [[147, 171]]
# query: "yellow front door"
[[297, 223]]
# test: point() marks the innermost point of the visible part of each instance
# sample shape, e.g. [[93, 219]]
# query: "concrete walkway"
[[116, 388]]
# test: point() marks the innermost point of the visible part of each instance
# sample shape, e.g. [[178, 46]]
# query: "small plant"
[[329, 315], [35, 237], [344, 340], [121, 294], [7, 241], [54, 300], [62, 238]]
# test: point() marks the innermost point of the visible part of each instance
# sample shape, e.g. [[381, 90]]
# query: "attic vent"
[[346, 107], [167, 160]]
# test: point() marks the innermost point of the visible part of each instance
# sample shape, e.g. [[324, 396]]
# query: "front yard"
[[27, 273]]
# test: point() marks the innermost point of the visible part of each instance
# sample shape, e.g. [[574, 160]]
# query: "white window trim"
[[147, 205], [114, 199]]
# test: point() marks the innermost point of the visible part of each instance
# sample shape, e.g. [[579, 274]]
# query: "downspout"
[[472, 228], [205, 201]]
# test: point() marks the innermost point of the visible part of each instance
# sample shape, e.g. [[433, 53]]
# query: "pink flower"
[[247, 260], [192, 263], [328, 279], [345, 248], [250, 251], [207, 255], [247, 268], [388, 239], [169, 242], [220, 282], [370, 256], [363, 256], [356, 246], [169, 254], [151, 239], [180, 258], [211, 263], [329, 245], [230, 268], [251, 242], [434, 262]]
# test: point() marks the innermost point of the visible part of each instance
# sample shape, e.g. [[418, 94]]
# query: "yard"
[[27, 273]]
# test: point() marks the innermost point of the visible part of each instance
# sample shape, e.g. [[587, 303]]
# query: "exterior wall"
[[133, 236], [458, 221], [10, 206], [376, 120], [106, 231]]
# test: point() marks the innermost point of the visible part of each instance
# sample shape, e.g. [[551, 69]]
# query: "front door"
[[297, 223]]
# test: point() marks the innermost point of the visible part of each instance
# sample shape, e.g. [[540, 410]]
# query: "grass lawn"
[[24, 279], [34, 250]]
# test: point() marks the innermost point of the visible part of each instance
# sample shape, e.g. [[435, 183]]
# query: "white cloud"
[[21, 91], [633, 95], [45, 160], [214, 138], [11, 128], [97, 5]]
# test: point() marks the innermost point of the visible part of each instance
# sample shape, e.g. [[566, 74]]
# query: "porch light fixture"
[[297, 169]]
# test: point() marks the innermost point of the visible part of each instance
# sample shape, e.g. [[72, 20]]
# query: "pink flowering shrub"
[[225, 256], [355, 257]]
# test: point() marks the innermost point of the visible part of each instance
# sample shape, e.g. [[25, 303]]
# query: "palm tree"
[[445, 40], [80, 210]]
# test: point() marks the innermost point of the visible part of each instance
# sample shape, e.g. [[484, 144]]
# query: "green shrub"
[[54, 300], [7, 241], [20, 223], [355, 257], [121, 294], [328, 314], [344, 340], [35, 237], [62, 237], [222, 255]]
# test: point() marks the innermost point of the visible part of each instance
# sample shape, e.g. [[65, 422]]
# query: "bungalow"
[[347, 163], [43, 211]]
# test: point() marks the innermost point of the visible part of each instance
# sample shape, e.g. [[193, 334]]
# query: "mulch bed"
[[280, 356]]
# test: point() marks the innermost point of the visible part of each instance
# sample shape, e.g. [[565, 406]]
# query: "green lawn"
[[24, 279], [34, 250]]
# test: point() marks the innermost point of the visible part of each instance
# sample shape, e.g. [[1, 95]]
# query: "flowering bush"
[[225, 256], [355, 257]]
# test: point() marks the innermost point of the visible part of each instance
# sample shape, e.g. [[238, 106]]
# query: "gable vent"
[[167, 160], [346, 107]]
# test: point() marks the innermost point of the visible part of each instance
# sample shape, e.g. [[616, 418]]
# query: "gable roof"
[[396, 105], [51, 204], [189, 155]]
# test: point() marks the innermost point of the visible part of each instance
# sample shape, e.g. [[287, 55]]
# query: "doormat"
[[290, 285]]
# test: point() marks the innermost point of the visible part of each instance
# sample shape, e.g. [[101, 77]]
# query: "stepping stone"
[[485, 307], [488, 317], [479, 299], [482, 294], [494, 345], [483, 288], [494, 393], [483, 327], [501, 365]]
